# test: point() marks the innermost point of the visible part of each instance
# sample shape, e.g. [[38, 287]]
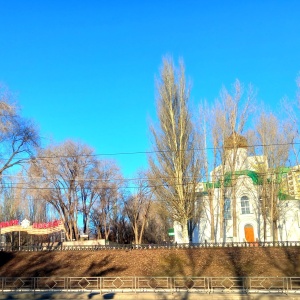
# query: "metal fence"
[[129, 247], [241, 285]]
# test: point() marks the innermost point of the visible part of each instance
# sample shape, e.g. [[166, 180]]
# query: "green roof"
[[255, 177]]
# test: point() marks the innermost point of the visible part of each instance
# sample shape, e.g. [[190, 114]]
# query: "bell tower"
[[236, 153]]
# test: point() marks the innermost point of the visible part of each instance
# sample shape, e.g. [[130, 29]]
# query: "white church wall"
[[289, 223], [289, 211]]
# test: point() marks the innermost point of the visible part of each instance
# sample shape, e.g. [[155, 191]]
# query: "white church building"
[[260, 214]]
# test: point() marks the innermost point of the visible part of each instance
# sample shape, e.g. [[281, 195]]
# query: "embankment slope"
[[283, 261]]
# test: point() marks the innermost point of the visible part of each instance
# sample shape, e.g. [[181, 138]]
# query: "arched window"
[[245, 206]]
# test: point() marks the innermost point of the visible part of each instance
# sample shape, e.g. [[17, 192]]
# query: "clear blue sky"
[[85, 69]]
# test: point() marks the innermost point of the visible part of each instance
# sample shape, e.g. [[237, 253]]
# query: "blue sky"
[[86, 69]]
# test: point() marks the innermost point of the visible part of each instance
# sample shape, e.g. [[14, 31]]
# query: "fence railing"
[[129, 247], [239, 285]]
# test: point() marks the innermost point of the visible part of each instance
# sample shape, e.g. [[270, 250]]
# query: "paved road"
[[140, 296]]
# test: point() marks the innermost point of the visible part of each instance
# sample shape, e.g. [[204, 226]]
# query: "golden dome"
[[235, 141]]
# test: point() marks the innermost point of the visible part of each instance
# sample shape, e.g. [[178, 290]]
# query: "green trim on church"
[[256, 178]]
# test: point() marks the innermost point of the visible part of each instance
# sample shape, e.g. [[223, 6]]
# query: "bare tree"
[[158, 224], [18, 136], [107, 194], [11, 205], [122, 228], [57, 176], [19, 140], [175, 167], [275, 138], [35, 209], [98, 192], [137, 206], [229, 117], [207, 191]]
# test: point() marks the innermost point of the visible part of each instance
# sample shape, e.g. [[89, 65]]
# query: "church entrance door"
[[249, 233]]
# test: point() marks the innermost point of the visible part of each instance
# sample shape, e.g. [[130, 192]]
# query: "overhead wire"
[[129, 179], [17, 185], [114, 179], [149, 152]]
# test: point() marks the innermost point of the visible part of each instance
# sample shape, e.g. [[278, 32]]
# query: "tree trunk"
[[212, 217], [275, 231], [265, 227], [234, 217], [185, 232], [142, 229], [222, 212], [136, 234]]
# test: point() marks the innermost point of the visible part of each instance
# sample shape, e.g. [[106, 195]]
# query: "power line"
[[111, 188], [121, 179], [151, 152], [222, 177]]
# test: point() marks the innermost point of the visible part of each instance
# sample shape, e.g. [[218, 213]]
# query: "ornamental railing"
[[60, 246], [246, 285]]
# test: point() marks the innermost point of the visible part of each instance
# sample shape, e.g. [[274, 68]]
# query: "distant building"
[[251, 184]]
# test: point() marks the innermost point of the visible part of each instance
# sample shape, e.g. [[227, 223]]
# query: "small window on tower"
[[245, 205]]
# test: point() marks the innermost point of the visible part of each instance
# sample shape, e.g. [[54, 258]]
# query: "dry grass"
[[154, 262]]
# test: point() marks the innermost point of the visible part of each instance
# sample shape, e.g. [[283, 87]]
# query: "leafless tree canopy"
[[230, 115], [108, 194], [175, 169], [19, 137], [274, 138], [19, 140], [137, 206], [73, 181]]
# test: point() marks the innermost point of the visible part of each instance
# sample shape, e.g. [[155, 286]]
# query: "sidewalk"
[[141, 296]]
